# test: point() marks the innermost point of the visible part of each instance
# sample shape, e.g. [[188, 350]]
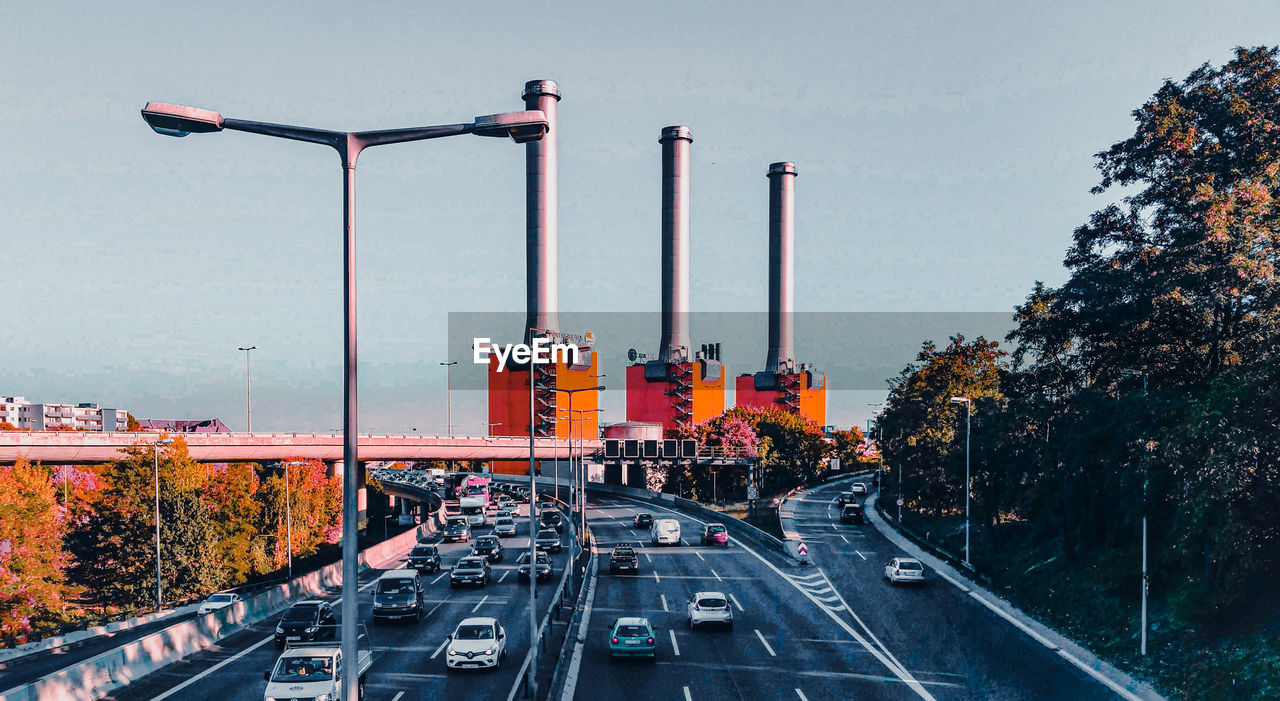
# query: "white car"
[[504, 526], [859, 489], [217, 601], [665, 531], [476, 642], [709, 607], [904, 569]]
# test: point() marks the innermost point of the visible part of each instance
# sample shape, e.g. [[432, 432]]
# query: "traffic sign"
[[752, 493], [899, 501], [802, 549]]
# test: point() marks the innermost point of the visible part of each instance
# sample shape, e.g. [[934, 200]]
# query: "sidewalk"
[[1118, 681]]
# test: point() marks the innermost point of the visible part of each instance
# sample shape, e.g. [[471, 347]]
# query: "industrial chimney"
[[782, 179], [674, 345], [541, 214]]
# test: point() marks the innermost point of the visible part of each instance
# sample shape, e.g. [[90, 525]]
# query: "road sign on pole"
[[752, 493]]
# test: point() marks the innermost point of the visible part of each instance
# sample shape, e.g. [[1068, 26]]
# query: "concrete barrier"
[[99, 675]]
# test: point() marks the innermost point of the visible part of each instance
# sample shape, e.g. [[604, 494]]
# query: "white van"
[[473, 509], [665, 531]]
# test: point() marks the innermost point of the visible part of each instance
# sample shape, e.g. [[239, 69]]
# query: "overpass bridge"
[[75, 447]]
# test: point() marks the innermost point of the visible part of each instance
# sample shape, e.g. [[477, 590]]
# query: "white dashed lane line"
[[687, 695], [765, 643], [713, 572], [798, 693], [480, 603], [439, 649], [734, 599], [664, 603], [675, 647]]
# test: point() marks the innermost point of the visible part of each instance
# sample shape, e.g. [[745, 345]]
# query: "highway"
[[409, 659]]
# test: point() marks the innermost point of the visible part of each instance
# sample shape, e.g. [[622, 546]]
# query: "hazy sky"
[[944, 152]]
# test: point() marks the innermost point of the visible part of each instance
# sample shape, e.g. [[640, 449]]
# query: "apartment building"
[[85, 416]]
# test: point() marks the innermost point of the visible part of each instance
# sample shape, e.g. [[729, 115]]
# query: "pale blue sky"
[[944, 151]]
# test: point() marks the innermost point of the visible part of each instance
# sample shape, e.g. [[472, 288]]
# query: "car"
[[642, 520], [624, 558], [477, 642], [904, 569], [665, 531], [847, 498], [456, 530], [632, 637], [470, 570], [217, 601], [504, 526], [547, 539], [859, 489], [488, 547], [852, 513], [709, 607], [550, 518], [399, 594], [425, 558], [504, 502], [306, 621], [715, 534], [543, 564]]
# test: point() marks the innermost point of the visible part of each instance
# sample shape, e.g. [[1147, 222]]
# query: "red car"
[[715, 534]]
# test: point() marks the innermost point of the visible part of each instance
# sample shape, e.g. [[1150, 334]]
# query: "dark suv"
[[470, 570], [306, 621], [547, 539], [642, 520], [456, 530], [551, 519], [544, 567], [851, 513], [424, 558]]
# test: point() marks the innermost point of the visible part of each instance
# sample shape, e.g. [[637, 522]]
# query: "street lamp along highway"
[[155, 461], [968, 416], [521, 127]]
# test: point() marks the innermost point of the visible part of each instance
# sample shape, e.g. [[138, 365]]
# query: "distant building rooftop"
[[213, 425]]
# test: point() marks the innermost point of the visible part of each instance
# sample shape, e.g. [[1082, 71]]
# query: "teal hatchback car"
[[632, 637]]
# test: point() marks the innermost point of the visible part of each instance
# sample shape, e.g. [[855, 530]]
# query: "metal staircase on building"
[[681, 393], [544, 400], [789, 386]]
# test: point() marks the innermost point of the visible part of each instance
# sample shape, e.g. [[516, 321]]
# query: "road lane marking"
[[684, 542], [734, 599], [443, 574], [675, 647], [437, 652], [687, 696], [504, 575], [765, 643], [864, 557], [846, 540], [713, 572], [700, 557], [399, 695], [656, 578], [480, 603], [648, 559], [664, 603], [798, 693]]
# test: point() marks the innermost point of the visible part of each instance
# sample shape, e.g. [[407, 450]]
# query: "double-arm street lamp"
[[968, 403], [521, 127], [155, 461]]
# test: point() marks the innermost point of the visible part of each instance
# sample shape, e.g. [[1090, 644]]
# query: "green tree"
[[32, 557]]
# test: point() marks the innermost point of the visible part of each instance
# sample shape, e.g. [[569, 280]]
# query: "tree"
[[32, 557], [315, 502], [850, 446], [232, 497]]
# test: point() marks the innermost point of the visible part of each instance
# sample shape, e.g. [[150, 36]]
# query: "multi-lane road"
[[409, 659], [831, 630]]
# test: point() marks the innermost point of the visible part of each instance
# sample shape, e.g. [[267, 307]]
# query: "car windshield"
[[220, 598], [504, 521], [453, 522], [301, 613], [712, 603], [909, 565], [715, 528], [303, 669], [547, 533], [395, 586], [472, 510], [632, 632], [424, 550], [474, 633], [851, 509], [624, 552], [542, 559], [486, 540], [471, 563], [846, 494]]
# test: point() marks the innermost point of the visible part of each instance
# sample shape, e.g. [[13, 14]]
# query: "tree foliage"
[[32, 557]]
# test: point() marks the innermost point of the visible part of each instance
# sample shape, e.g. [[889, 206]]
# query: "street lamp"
[[521, 127], [968, 403], [579, 478], [1142, 644], [488, 426], [248, 396], [155, 461], [448, 394], [582, 429]]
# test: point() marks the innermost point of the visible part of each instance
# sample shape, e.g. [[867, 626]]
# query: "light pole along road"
[[521, 127]]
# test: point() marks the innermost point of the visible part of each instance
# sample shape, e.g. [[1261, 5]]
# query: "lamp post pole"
[[248, 385], [533, 534], [448, 394], [1145, 584], [155, 462], [521, 127], [968, 403]]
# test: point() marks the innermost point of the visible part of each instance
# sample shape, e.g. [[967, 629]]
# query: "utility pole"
[[248, 394], [448, 394]]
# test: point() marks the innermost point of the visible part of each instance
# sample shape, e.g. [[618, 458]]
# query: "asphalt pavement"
[[409, 663]]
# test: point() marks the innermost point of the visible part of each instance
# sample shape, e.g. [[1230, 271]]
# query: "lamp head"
[[179, 120], [959, 400], [522, 127]]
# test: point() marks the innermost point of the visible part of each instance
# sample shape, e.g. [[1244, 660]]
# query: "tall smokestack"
[[674, 346], [541, 213], [782, 199]]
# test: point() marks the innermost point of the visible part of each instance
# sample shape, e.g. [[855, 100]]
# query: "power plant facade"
[[677, 388], [783, 383]]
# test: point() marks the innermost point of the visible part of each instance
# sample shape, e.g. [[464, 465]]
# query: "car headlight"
[[279, 630], [454, 653], [324, 697], [312, 629], [490, 651]]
